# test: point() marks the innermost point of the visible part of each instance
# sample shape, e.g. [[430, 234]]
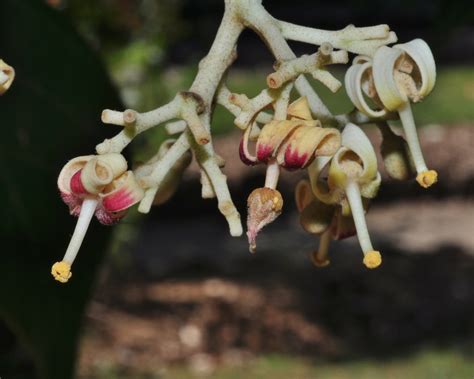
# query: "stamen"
[[372, 258], [273, 174], [320, 256], [425, 178], [62, 270]]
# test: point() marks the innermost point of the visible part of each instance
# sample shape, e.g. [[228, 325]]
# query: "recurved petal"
[[370, 189], [272, 136], [73, 167], [95, 175], [300, 109], [383, 71], [115, 161], [303, 194], [355, 160], [425, 75], [356, 75], [300, 148], [317, 172], [122, 193], [316, 217]]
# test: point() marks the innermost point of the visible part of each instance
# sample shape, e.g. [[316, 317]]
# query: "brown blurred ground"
[[197, 296]]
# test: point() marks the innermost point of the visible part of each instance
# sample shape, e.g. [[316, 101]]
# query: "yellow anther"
[[61, 271], [319, 262], [372, 259], [427, 179]]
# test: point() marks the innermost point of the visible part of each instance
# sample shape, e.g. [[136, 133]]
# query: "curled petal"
[[95, 176], [69, 170], [264, 206], [319, 183], [272, 136], [383, 70], [369, 190], [101, 170], [307, 141], [419, 51], [300, 109], [244, 152], [116, 162], [303, 194], [7, 75], [122, 193], [356, 160], [316, 217], [355, 76]]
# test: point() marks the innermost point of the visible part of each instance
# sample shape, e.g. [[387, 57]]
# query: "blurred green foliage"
[[50, 114], [428, 364]]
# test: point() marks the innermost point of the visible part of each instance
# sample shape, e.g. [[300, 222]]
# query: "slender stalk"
[[409, 127], [357, 209], [273, 174], [320, 256], [87, 212]]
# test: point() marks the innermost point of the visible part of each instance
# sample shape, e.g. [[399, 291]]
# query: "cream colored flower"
[[352, 179], [396, 77], [291, 144], [94, 185]]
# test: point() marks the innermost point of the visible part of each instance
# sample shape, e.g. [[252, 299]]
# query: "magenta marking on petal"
[[73, 202], [108, 218], [242, 155], [76, 184], [293, 160], [264, 152], [118, 201]]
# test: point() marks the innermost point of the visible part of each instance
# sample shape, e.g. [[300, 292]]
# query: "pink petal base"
[[243, 156], [264, 152], [76, 184], [108, 218], [293, 160], [73, 202], [117, 201]]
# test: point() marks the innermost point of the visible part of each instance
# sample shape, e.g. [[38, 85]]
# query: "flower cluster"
[[382, 83]]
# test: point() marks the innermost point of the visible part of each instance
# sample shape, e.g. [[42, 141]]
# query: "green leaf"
[[50, 114]]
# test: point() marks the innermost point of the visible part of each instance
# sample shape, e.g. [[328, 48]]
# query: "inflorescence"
[[382, 83]]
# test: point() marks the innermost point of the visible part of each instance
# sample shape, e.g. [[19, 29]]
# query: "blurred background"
[[171, 294]]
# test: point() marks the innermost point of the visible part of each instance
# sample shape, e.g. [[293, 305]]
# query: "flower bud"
[[264, 206]]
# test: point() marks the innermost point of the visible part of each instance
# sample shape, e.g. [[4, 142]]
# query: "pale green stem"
[[273, 174], [87, 212], [411, 135], [353, 196]]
